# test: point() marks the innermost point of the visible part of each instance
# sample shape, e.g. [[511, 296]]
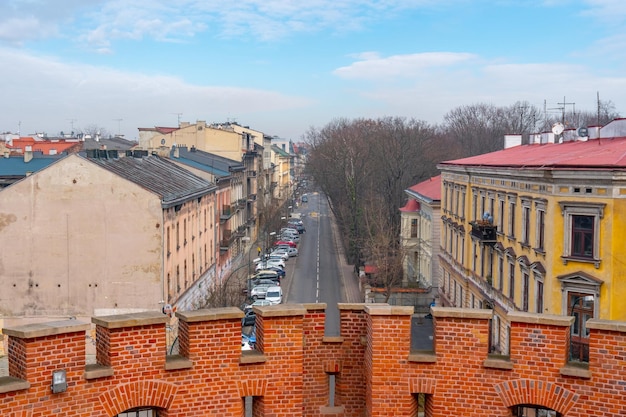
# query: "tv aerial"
[[558, 128]]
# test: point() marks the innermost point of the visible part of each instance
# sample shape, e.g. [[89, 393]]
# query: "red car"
[[284, 242]]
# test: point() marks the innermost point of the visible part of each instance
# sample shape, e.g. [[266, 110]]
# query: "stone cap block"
[[351, 306], [117, 321], [535, 318], [387, 310], [210, 314], [610, 325], [28, 331], [315, 306], [281, 310], [461, 313]]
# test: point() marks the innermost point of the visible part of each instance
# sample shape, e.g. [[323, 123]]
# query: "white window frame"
[[580, 208]]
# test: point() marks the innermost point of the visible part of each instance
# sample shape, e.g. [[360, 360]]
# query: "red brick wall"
[[376, 374]]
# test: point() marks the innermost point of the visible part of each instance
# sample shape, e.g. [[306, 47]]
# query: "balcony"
[[227, 240], [484, 231], [251, 174], [226, 213]]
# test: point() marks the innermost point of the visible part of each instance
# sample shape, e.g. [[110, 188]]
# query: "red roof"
[[593, 153], [431, 188], [411, 205]]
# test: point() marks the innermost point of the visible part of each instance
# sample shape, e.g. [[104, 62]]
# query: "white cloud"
[[372, 67], [90, 95]]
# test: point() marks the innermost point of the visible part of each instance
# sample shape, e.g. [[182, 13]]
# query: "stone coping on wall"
[[210, 314], [117, 321], [610, 325], [545, 319], [461, 313], [281, 310], [315, 306], [388, 310], [351, 306], [29, 331], [9, 383]]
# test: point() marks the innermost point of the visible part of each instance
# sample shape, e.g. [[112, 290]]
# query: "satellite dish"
[[558, 128], [582, 132]]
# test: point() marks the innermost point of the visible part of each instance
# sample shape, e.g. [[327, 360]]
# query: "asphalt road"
[[315, 275]]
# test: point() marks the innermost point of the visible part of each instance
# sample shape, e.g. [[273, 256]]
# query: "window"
[[511, 280], [582, 236], [581, 239], [541, 226], [500, 272], [525, 284], [525, 223], [511, 231], [501, 215], [413, 228], [475, 207], [538, 294]]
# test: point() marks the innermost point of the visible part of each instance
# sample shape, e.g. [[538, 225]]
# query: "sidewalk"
[[350, 282]]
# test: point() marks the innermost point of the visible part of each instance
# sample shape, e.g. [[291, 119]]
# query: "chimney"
[[176, 152], [28, 153], [511, 141]]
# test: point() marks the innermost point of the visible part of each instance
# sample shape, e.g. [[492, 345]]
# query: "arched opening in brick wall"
[[534, 411], [140, 412], [422, 405]]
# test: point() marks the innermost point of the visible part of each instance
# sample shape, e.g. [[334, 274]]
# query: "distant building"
[[538, 228], [420, 231], [92, 236]]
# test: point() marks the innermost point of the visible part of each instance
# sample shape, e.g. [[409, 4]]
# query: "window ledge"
[[498, 362], [95, 371], [575, 369], [326, 410], [9, 383], [595, 262], [423, 356], [175, 362], [332, 339], [252, 356], [539, 251]]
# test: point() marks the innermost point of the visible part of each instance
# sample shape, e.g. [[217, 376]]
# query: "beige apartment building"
[[92, 236]]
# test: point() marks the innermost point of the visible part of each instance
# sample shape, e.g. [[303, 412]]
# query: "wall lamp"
[[59, 381]]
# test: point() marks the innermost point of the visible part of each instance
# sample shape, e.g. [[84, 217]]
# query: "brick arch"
[[422, 385], [252, 388], [138, 394], [534, 392]]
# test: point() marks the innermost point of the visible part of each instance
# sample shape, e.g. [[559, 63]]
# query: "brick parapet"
[[370, 361]]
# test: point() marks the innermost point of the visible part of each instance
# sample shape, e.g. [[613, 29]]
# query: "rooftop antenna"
[[118, 126], [567, 104], [178, 117], [72, 125]]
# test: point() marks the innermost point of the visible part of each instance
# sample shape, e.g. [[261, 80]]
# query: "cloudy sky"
[[283, 66]]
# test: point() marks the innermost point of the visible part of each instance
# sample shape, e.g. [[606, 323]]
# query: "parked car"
[[287, 242], [280, 271], [260, 290], [283, 254], [262, 281], [249, 319], [289, 229], [256, 303], [270, 262], [274, 295], [267, 273], [294, 237], [292, 252]]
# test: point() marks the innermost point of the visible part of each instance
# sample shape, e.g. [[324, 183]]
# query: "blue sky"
[[283, 66]]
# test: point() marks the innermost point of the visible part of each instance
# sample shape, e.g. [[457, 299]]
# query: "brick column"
[[386, 356]]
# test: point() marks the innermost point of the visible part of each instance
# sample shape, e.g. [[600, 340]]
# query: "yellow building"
[[538, 228]]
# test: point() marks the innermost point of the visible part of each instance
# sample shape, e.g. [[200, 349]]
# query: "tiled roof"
[[174, 184], [410, 206], [205, 161], [431, 188], [15, 165], [116, 143], [605, 153]]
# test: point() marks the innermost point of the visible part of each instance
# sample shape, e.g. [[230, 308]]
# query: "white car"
[[292, 252], [269, 263], [274, 295], [259, 291], [281, 253]]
